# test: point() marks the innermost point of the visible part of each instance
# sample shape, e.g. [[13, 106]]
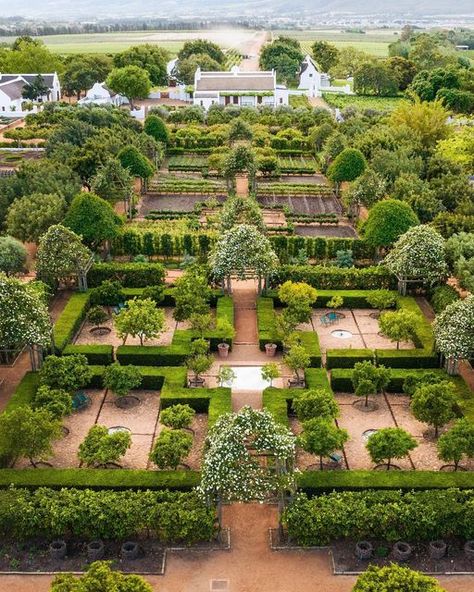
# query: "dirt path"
[[319, 102], [252, 49]]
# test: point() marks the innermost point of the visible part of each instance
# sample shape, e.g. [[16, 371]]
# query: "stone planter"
[[57, 550], [270, 349], [95, 550], [130, 550], [437, 549], [469, 549], [402, 551], [364, 550], [223, 349]]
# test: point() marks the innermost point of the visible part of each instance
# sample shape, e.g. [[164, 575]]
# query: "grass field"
[[376, 103], [97, 43], [374, 42]]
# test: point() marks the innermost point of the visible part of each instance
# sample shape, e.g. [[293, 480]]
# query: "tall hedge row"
[[337, 278]]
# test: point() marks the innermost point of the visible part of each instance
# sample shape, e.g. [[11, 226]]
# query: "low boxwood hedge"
[[407, 358], [24, 392], [347, 358], [337, 278], [152, 355], [351, 298], [130, 275], [213, 401], [70, 320], [96, 354]]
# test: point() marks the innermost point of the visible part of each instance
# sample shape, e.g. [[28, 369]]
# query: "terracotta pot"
[[270, 349], [57, 550], [223, 349], [95, 550], [402, 551], [364, 550], [437, 549]]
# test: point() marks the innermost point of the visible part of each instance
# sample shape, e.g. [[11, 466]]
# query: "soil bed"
[[345, 560]]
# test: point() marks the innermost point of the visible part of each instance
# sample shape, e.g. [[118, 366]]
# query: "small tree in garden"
[[389, 443], [97, 316], [28, 433], [335, 302], [270, 372], [99, 448], [457, 442], [155, 127], [68, 373], [61, 255], [192, 294], [100, 576], [121, 379], [299, 298], [93, 218], [347, 166], [398, 325], [155, 293], [225, 375], [30, 216], [297, 359], [57, 402], [240, 130], [224, 330], [414, 381], [454, 332], [244, 252], [419, 254], [321, 437], [368, 379], [201, 323], [434, 404], [136, 163], [381, 299], [140, 318], [112, 182], [109, 293], [170, 448], [313, 404], [240, 159], [12, 255], [395, 577], [199, 362], [388, 220], [177, 416], [241, 210]]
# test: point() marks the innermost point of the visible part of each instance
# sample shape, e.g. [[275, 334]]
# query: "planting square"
[[140, 419]]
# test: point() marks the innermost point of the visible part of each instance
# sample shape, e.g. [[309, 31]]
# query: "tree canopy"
[[30, 216], [131, 82], [388, 220], [454, 329]]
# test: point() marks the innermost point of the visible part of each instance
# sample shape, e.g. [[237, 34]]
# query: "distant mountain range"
[[56, 9]]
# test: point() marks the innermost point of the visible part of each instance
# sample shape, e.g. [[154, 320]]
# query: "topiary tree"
[[389, 443], [201, 323], [381, 299], [68, 373], [297, 359], [140, 318], [177, 416], [109, 293], [30, 216], [270, 372], [57, 402], [434, 404], [454, 332], [199, 360], [27, 433], [368, 379], [99, 448], [299, 298], [93, 218], [61, 255], [12, 256], [347, 166], [388, 220], [155, 127], [112, 182], [97, 316], [457, 442], [313, 404], [399, 325], [121, 379], [170, 448], [419, 254], [321, 437], [136, 163], [100, 576], [395, 577], [244, 252]]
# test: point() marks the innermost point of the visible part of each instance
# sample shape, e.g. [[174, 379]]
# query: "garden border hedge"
[[70, 319]]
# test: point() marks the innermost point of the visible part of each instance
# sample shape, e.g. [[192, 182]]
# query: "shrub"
[[68, 372], [434, 404], [97, 316], [170, 448], [389, 443], [442, 296], [395, 577], [312, 404], [99, 448], [321, 437], [121, 379], [130, 275], [70, 319], [100, 573], [109, 293], [57, 402], [177, 416], [381, 299], [12, 255]]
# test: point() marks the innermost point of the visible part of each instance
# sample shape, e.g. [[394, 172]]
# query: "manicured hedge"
[[347, 358], [336, 278], [388, 515], [153, 378], [213, 401], [351, 298], [70, 319], [152, 355], [102, 355], [24, 392], [407, 358], [319, 248], [130, 275], [153, 242]]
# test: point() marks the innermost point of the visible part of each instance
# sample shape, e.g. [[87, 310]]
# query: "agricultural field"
[[364, 102], [374, 42]]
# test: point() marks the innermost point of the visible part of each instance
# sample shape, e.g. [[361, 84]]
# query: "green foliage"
[[283, 55], [381, 299], [454, 329], [70, 319], [297, 359], [130, 275], [395, 577], [347, 166], [121, 379], [97, 316], [140, 318], [191, 294], [112, 181], [12, 255], [313, 404], [389, 443], [135, 162], [321, 437], [149, 57], [270, 372], [388, 220], [30, 216], [336, 302], [375, 78], [457, 442], [100, 576], [202, 46], [93, 218], [170, 448], [68, 373], [57, 402], [177, 416], [434, 404], [100, 448], [155, 127], [398, 325], [109, 293], [325, 54], [299, 298], [130, 81]]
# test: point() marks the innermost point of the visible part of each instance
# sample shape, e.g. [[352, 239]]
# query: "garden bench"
[[120, 306], [335, 457], [80, 401]]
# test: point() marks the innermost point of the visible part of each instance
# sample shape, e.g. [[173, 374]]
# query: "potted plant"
[[199, 361], [225, 375], [226, 332], [297, 359]]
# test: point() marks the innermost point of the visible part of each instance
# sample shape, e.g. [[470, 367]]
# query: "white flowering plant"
[[454, 330]]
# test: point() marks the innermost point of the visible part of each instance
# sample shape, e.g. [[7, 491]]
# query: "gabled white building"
[[244, 89], [100, 94], [311, 79], [12, 86]]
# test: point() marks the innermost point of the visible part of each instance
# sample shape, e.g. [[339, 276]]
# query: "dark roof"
[[241, 81], [13, 89], [48, 78], [304, 65]]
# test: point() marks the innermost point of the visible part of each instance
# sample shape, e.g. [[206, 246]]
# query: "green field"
[[374, 42], [363, 102]]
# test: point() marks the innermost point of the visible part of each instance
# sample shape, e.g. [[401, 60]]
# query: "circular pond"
[[341, 334], [366, 435]]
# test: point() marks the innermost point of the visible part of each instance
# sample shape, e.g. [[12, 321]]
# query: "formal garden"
[[238, 306]]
